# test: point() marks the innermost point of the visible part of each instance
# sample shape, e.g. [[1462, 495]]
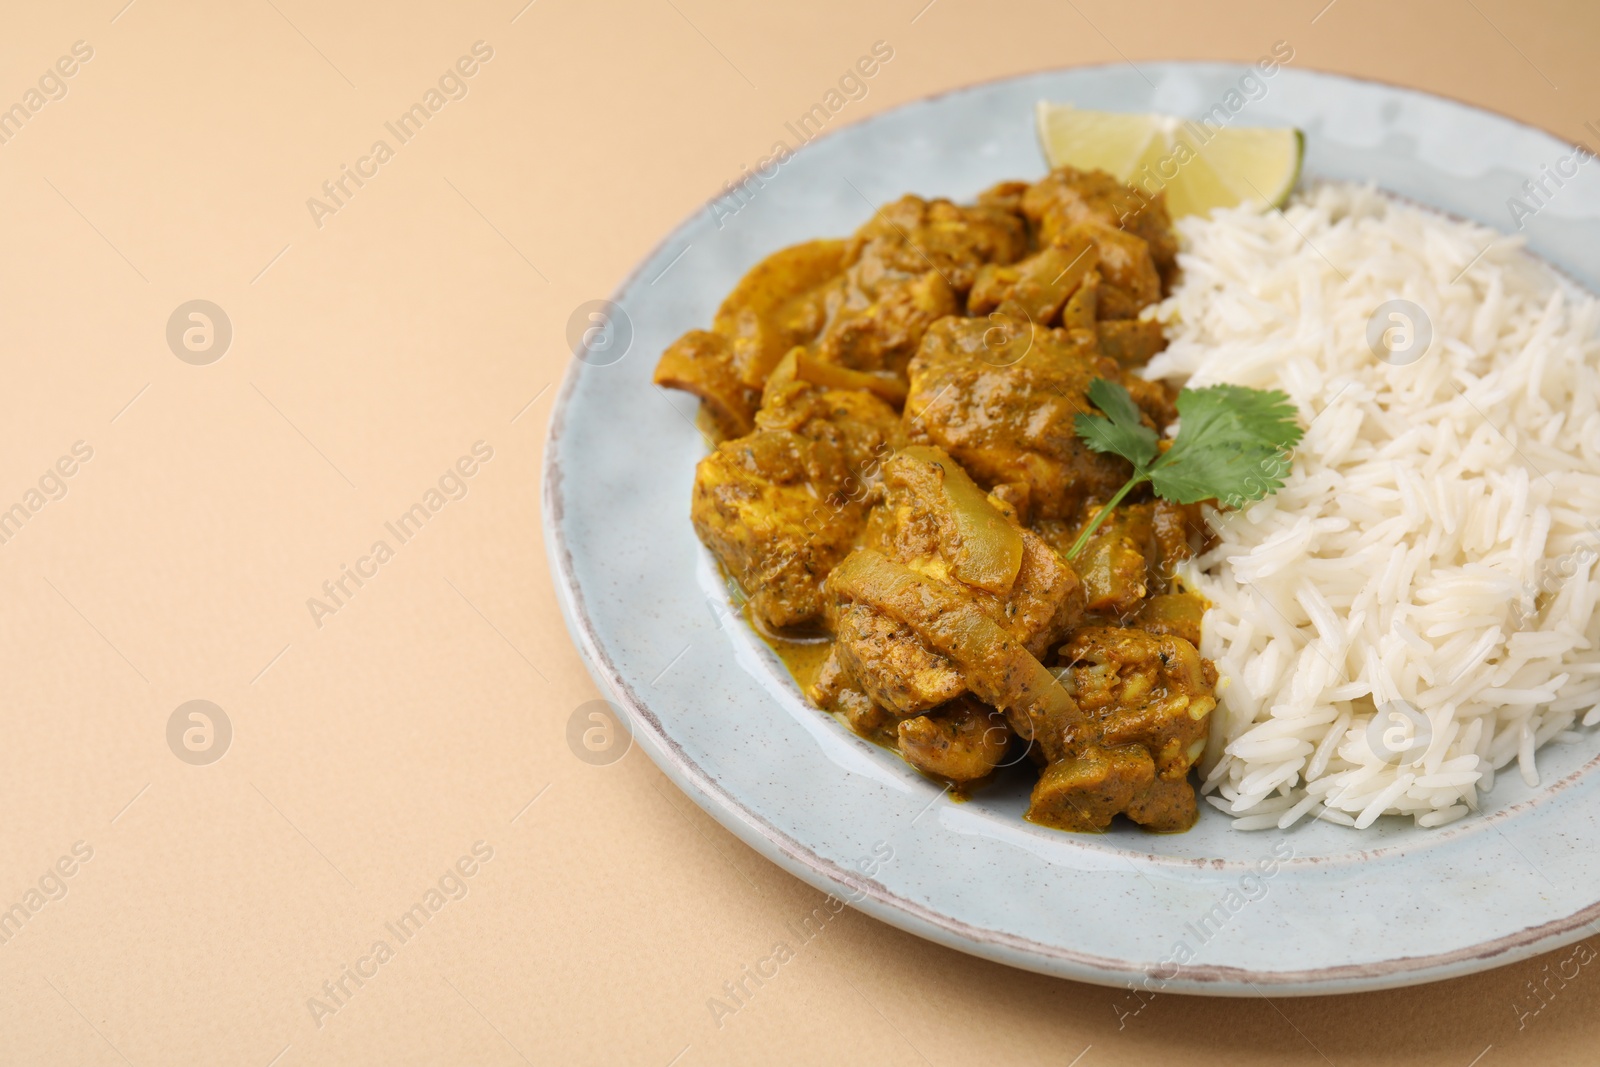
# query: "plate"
[[1315, 909]]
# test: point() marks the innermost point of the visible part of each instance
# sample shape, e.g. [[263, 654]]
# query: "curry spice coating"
[[899, 474]]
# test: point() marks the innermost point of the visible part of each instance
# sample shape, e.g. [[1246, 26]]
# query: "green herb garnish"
[[1233, 445]]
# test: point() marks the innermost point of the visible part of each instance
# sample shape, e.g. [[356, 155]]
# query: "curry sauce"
[[900, 490]]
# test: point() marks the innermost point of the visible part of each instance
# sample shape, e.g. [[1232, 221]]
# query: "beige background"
[[368, 354]]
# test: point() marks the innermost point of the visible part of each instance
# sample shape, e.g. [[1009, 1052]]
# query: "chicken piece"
[[1167, 806], [862, 427], [961, 741], [701, 362], [1115, 562], [1134, 556], [1131, 342], [1148, 700], [1131, 232], [1083, 306], [1068, 197], [833, 691], [1007, 196], [780, 506], [1044, 600], [1003, 406], [772, 508], [1082, 793], [885, 658], [913, 235], [1129, 281], [911, 265], [1012, 498], [877, 325], [780, 303], [998, 669], [1035, 288], [1139, 687]]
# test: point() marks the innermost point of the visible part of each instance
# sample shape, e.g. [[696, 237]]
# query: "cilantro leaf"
[[1234, 445], [1119, 431]]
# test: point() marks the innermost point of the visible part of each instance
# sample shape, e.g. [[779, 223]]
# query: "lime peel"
[[1199, 166]]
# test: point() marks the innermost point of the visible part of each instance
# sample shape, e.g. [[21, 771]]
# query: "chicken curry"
[[898, 478]]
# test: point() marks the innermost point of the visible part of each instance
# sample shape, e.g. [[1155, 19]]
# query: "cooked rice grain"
[[1435, 543]]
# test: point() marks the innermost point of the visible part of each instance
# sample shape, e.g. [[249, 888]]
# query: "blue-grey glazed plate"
[[1316, 909]]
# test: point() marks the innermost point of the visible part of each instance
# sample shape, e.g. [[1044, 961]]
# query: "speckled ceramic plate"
[[1316, 909]]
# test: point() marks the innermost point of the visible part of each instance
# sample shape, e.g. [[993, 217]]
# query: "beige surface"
[[370, 753]]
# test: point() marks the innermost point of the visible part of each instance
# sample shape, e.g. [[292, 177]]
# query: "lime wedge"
[[1199, 165]]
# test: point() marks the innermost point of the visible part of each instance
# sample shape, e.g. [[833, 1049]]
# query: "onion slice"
[[998, 669], [990, 553], [808, 368]]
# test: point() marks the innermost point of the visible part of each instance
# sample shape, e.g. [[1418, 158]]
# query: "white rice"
[[1434, 543]]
